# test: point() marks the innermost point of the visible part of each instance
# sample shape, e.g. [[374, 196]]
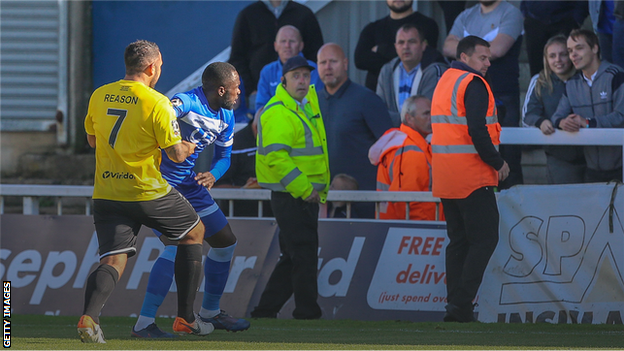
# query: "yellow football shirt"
[[131, 123]]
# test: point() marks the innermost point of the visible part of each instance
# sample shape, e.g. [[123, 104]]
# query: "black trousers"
[[296, 270], [472, 226]]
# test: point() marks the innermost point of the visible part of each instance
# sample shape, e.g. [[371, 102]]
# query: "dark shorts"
[[213, 223], [117, 223]]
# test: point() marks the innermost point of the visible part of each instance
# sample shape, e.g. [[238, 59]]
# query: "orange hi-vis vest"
[[457, 168], [403, 160]]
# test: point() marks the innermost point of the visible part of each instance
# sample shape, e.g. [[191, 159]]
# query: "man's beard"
[[332, 83], [227, 102], [401, 9]]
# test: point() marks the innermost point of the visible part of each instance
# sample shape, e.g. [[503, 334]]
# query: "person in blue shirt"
[[288, 43], [205, 117]]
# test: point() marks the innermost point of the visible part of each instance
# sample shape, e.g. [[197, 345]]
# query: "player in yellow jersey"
[[128, 123]]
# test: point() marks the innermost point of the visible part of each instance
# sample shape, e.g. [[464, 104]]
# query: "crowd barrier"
[[31, 194], [560, 259]]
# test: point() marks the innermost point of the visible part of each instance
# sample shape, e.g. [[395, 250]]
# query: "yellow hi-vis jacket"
[[292, 149]]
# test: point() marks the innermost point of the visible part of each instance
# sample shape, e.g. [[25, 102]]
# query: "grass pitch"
[[35, 332]]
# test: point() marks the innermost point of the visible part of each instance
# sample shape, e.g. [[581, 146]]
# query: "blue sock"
[[160, 280], [216, 270]]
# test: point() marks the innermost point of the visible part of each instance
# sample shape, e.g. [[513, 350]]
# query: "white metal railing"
[[585, 136], [32, 193], [524, 136]]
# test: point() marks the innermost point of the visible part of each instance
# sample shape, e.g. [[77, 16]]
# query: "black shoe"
[[315, 316], [457, 314], [227, 322], [152, 332], [449, 318]]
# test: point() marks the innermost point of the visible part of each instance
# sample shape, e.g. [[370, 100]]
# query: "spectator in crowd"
[[205, 117], [242, 171], [593, 98], [406, 75], [499, 23], [255, 30], [288, 43], [354, 117], [403, 157], [128, 140], [292, 162], [618, 34], [375, 46], [465, 168], [603, 17], [545, 19], [338, 209], [565, 164]]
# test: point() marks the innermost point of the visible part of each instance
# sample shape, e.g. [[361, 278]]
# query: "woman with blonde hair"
[[565, 164]]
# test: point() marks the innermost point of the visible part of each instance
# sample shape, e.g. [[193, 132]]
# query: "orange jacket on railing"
[[403, 158], [457, 168]]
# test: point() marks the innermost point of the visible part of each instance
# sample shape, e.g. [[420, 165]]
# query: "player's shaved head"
[[220, 82], [217, 74], [139, 55]]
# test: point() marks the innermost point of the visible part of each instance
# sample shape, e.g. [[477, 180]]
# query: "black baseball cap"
[[294, 63]]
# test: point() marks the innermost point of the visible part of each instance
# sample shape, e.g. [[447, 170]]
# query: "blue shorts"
[[211, 215]]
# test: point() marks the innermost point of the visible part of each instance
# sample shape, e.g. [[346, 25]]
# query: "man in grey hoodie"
[[593, 98], [407, 74]]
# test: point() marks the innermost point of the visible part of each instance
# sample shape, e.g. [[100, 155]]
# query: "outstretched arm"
[[179, 152]]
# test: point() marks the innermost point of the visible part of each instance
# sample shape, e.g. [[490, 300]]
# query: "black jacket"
[[382, 33]]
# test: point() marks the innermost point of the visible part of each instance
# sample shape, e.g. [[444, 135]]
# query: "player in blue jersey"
[[205, 117]]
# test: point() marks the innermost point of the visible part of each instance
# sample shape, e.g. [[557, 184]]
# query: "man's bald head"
[[287, 29], [288, 42], [332, 66], [337, 50]]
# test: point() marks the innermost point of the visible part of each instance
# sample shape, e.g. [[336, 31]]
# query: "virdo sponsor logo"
[[117, 175]]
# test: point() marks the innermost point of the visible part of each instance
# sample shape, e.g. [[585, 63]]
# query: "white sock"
[[142, 322], [208, 313]]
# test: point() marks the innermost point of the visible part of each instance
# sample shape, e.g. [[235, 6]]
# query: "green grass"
[[36, 332]]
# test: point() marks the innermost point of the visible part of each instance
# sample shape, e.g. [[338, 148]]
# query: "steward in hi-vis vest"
[[457, 167], [292, 147], [466, 166], [403, 159], [292, 162]]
